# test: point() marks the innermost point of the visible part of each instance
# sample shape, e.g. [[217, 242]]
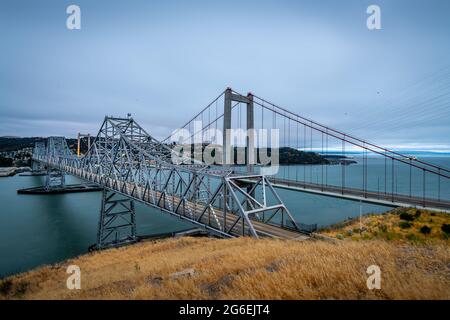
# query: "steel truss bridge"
[[229, 201]]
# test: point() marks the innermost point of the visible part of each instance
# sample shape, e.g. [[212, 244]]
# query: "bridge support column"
[[36, 166], [226, 148], [227, 152], [251, 160], [117, 224], [55, 179]]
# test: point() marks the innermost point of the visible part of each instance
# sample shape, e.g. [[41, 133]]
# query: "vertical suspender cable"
[[304, 149], [410, 178], [321, 161], [296, 166], [326, 168], [310, 149], [392, 175], [439, 184]]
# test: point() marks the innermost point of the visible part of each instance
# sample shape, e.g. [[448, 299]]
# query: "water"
[[381, 176], [44, 229]]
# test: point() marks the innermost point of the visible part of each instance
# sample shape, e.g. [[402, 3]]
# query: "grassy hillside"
[[402, 224], [245, 268]]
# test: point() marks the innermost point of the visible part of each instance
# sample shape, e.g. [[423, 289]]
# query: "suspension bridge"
[[227, 200]]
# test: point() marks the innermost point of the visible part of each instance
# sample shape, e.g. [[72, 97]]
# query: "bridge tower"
[[117, 224], [229, 98]]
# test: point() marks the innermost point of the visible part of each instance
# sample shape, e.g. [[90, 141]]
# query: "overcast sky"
[[163, 61]]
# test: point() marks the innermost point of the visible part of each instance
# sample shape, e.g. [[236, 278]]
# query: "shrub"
[[400, 211], [425, 230], [406, 216], [382, 227], [404, 225], [6, 162], [418, 213], [412, 237], [5, 287], [340, 236], [446, 228], [390, 236], [21, 289]]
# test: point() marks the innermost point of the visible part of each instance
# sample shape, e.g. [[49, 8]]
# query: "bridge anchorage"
[[228, 201]]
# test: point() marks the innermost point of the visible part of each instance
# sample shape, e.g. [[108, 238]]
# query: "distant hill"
[[15, 143], [287, 155], [8, 144]]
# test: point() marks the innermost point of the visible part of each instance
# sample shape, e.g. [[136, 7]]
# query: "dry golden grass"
[[388, 226], [245, 268]]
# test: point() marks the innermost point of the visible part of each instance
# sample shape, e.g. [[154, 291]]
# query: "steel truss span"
[[133, 166]]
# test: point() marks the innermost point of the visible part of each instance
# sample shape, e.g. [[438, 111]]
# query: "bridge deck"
[[212, 219], [387, 199]]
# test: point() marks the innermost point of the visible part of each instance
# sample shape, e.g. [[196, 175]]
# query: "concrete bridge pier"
[[55, 179]]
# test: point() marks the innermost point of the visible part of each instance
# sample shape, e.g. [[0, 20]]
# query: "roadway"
[[380, 198]]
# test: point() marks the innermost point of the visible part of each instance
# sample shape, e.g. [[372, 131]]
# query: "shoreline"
[[12, 171]]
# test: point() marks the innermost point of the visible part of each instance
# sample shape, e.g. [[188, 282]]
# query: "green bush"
[[382, 227], [412, 237], [404, 225], [400, 211], [6, 162], [425, 230], [417, 215], [446, 228], [390, 236], [406, 216]]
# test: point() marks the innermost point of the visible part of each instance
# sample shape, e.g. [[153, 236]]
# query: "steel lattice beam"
[[126, 160]]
